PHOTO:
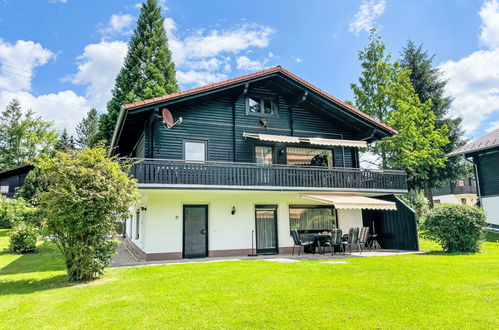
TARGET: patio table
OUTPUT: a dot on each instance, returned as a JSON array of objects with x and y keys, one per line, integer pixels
[{"x": 317, "y": 239}]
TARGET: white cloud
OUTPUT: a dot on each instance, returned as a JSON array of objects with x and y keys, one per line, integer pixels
[
  {"x": 199, "y": 77},
  {"x": 60, "y": 1},
  {"x": 298, "y": 59},
  {"x": 244, "y": 63},
  {"x": 17, "y": 62},
  {"x": 489, "y": 13},
  {"x": 368, "y": 11},
  {"x": 493, "y": 126},
  {"x": 118, "y": 25},
  {"x": 97, "y": 69},
  {"x": 473, "y": 81}
]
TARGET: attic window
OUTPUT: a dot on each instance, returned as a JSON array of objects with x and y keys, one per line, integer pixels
[{"x": 261, "y": 106}]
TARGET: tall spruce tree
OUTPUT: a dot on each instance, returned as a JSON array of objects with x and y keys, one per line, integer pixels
[
  {"x": 148, "y": 70},
  {"x": 429, "y": 85},
  {"x": 86, "y": 130},
  {"x": 66, "y": 142},
  {"x": 23, "y": 136}
]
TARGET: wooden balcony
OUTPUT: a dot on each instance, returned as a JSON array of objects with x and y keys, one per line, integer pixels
[{"x": 156, "y": 173}]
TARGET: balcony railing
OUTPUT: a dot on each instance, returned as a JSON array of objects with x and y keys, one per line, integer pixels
[{"x": 252, "y": 176}]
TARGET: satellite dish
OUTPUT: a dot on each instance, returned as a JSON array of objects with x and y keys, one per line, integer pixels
[{"x": 168, "y": 118}]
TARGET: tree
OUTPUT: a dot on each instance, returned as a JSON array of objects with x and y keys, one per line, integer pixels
[
  {"x": 372, "y": 93},
  {"x": 86, "y": 130},
  {"x": 87, "y": 193},
  {"x": 23, "y": 136},
  {"x": 417, "y": 146},
  {"x": 148, "y": 70},
  {"x": 66, "y": 142},
  {"x": 428, "y": 85}
]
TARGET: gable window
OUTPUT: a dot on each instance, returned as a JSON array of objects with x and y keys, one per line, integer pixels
[
  {"x": 261, "y": 105},
  {"x": 195, "y": 150},
  {"x": 264, "y": 155},
  {"x": 309, "y": 157}
]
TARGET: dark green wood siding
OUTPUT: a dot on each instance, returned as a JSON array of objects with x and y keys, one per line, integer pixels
[
  {"x": 488, "y": 173},
  {"x": 396, "y": 229},
  {"x": 222, "y": 119}
]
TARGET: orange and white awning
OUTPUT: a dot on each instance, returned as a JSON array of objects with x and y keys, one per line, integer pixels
[
  {"x": 352, "y": 202},
  {"x": 314, "y": 141}
]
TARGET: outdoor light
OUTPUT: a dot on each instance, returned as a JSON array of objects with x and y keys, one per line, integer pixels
[{"x": 233, "y": 210}]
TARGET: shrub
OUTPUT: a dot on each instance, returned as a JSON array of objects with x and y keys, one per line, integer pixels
[
  {"x": 17, "y": 211},
  {"x": 23, "y": 239},
  {"x": 87, "y": 193},
  {"x": 457, "y": 228}
]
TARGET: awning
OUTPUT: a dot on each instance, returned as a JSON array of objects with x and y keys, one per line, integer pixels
[
  {"x": 273, "y": 138},
  {"x": 352, "y": 202},
  {"x": 314, "y": 141}
]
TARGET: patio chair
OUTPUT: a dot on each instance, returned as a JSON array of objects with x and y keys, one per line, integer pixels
[
  {"x": 335, "y": 240},
  {"x": 353, "y": 239},
  {"x": 363, "y": 237},
  {"x": 298, "y": 242}
]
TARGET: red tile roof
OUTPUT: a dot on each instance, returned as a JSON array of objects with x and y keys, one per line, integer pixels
[{"x": 252, "y": 76}]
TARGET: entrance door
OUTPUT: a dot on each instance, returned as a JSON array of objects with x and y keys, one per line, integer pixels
[
  {"x": 266, "y": 228},
  {"x": 195, "y": 231}
]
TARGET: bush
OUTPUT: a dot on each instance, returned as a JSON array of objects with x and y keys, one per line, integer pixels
[
  {"x": 14, "y": 212},
  {"x": 23, "y": 239},
  {"x": 457, "y": 228}
]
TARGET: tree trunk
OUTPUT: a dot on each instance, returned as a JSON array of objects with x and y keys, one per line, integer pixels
[{"x": 428, "y": 193}]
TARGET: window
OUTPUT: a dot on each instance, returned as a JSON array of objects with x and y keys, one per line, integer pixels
[
  {"x": 264, "y": 155},
  {"x": 137, "y": 225},
  {"x": 309, "y": 157},
  {"x": 463, "y": 201},
  {"x": 312, "y": 217},
  {"x": 195, "y": 150},
  {"x": 261, "y": 105},
  {"x": 460, "y": 183},
  {"x": 4, "y": 190},
  {"x": 436, "y": 201}
]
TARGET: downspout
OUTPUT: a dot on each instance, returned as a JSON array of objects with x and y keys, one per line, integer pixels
[
  {"x": 116, "y": 129},
  {"x": 477, "y": 180}
]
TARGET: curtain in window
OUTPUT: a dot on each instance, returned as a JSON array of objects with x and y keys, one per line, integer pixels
[{"x": 312, "y": 218}]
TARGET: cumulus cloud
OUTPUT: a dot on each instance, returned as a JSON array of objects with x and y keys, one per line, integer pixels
[
  {"x": 245, "y": 63},
  {"x": 366, "y": 15},
  {"x": 493, "y": 126},
  {"x": 18, "y": 61},
  {"x": 97, "y": 69},
  {"x": 193, "y": 77},
  {"x": 118, "y": 25},
  {"x": 473, "y": 81},
  {"x": 489, "y": 13}
]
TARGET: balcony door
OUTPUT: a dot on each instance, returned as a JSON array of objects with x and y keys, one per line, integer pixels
[
  {"x": 266, "y": 229},
  {"x": 195, "y": 231}
]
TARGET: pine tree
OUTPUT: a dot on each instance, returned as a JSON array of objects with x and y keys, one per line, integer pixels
[
  {"x": 428, "y": 84},
  {"x": 148, "y": 70},
  {"x": 23, "y": 136},
  {"x": 86, "y": 130},
  {"x": 66, "y": 142}
]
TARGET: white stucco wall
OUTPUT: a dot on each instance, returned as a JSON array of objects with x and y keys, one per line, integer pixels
[
  {"x": 471, "y": 199},
  {"x": 491, "y": 208},
  {"x": 162, "y": 223}
]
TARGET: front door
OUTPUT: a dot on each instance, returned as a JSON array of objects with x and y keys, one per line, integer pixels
[
  {"x": 266, "y": 228},
  {"x": 195, "y": 231}
]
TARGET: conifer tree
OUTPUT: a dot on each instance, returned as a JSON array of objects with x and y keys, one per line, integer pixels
[
  {"x": 86, "y": 130},
  {"x": 148, "y": 70}
]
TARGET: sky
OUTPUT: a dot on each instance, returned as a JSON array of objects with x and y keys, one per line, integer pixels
[{"x": 60, "y": 57}]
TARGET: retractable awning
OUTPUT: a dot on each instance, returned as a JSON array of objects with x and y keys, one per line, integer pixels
[
  {"x": 352, "y": 202},
  {"x": 314, "y": 141}
]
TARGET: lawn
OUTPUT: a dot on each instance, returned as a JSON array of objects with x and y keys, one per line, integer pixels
[{"x": 433, "y": 290}]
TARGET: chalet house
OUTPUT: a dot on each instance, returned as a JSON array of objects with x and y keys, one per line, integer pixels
[
  {"x": 238, "y": 164},
  {"x": 462, "y": 191},
  {"x": 484, "y": 153},
  {"x": 13, "y": 179}
]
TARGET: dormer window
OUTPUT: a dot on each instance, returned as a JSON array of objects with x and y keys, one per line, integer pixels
[{"x": 261, "y": 105}]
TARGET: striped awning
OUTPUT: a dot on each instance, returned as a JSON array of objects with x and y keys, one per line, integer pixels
[
  {"x": 352, "y": 202},
  {"x": 314, "y": 141}
]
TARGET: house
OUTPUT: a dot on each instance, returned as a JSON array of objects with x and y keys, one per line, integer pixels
[
  {"x": 13, "y": 179},
  {"x": 484, "y": 153},
  {"x": 462, "y": 191},
  {"x": 235, "y": 165}
]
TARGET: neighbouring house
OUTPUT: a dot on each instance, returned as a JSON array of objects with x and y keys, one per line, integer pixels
[
  {"x": 239, "y": 163},
  {"x": 484, "y": 153},
  {"x": 12, "y": 179},
  {"x": 462, "y": 191}
]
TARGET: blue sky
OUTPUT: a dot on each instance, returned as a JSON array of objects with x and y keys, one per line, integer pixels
[{"x": 60, "y": 57}]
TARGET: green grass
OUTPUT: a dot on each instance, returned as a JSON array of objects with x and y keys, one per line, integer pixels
[{"x": 433, "y": 290}]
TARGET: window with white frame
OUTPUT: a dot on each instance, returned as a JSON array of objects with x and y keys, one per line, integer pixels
[
  {"x": 4, "y": 190},
  {"x": 195, "y": 150}
]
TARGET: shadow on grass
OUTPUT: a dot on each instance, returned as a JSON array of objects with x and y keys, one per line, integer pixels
[
  {"x": 46, "y": 258},
  {"x": 33, "y": 285},
  {"x": 4, "y": 232}
]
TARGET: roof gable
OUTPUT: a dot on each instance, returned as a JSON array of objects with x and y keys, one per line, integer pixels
[{"x": 488, "y": 141}]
